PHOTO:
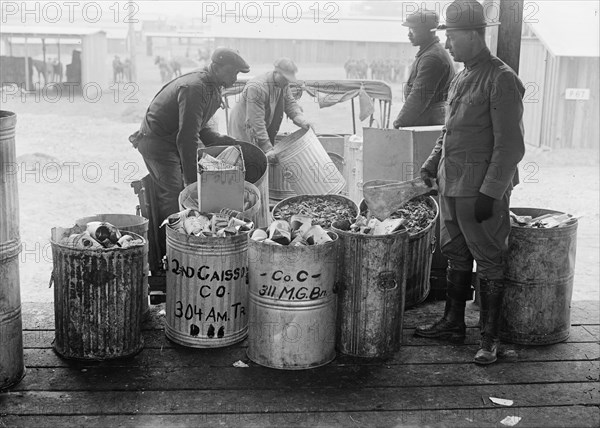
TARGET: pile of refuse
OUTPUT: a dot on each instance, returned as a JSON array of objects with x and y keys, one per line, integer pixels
[
  {"x": 323, "y": 210},
  {"x": 223, "y": 224},
  {"x": 372, "y": 226},
  {"x": 415, "y": 216},
  {"x": 545, "y": 221},
  {"x": 99, "y": 235},
  {"x": 299, "y": 232},
  {"x": 228, "y": 160}
]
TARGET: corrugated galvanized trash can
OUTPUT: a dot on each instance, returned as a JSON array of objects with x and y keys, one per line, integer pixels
[
  {"x": 207, "y": 289},
  {"x": 12, "y": 367},
  {"x": 257, "y": 173},
  {"x": 540, "y": 268},
  {"x": 371, "y": 292},
  {"x": 128, "y": 223},
  {"x": 292, "y": 304},
  {"x": 421, "y": 246},
  {"x": 97, "y": 299},
  {"x": 307, "y": 166},
  {"x": 188, "y": 199}
]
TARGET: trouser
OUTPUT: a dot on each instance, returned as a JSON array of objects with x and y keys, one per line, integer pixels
[
  {"x": 165, "y": 170},
  {"x": 463, "y": 240}
]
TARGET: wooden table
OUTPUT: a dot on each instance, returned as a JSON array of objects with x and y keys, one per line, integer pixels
[{"x": 426, "y": 383}]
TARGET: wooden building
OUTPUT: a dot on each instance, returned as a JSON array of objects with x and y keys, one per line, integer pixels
[
  {"x": 306, "y": 41},
  {"x": 559, "y": 66},
  {"x": 84, "y": 49}
]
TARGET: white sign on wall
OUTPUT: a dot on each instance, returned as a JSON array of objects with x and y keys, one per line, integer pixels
[{"x": 577, "y": 94}]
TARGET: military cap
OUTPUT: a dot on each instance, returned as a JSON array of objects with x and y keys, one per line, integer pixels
[
  {"x": 224, "y": 56},
  {"x": 422, "y": 18},
  {"x": 465, "y": 15},
  {"x": 286, "y": 67}
]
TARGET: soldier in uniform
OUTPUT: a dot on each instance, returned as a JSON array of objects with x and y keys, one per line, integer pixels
[
  {"x": 475, "y": 162},
  {"x": 426, "y": 91}
]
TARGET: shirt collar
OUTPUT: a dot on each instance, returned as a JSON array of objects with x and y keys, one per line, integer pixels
[
  {"x": 482, "y": 56},
  {"x": 211, "y": 77},
  {"x": 435, "y": 40}
]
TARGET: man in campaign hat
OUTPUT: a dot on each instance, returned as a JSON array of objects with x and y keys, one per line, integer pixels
[
  {"x": 475, "y": 163},
  {"x": 426, "y": 91},
  {"x": 176, "y": 124},
  {"x": 256, "y": 118}
]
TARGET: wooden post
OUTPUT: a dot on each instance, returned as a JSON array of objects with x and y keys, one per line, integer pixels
[
  {"x": 491, "y": 9},
  {"x": 131, "y": 39},
  {"x": 60, "y": 66},
  {"x": 509, "y": 33},
  {"x": 27, "y": 77},
  {"x": 45, "y": 69}
]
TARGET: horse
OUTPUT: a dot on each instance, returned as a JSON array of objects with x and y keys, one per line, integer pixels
[
  {"x": 166, "y": 72},
  {"x": 176, "y": 67},
  {"x": 57, "y": 71},
  {"x": 117, "y": 67},
  {"x": 203, "y": 56},
  {"x": 42, "y": 70}
]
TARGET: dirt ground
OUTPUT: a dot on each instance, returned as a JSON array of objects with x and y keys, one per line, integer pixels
[{"x": 74, "y": 160}]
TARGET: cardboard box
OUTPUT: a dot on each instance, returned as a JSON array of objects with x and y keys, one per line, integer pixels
[
  {"x": 397, "y": 154},
  {"x": 220, "y": 189}
]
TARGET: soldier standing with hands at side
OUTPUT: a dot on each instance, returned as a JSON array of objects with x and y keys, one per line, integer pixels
[
  {"x": 426, "y": 91},
  {"x": 475, "y": 162}
]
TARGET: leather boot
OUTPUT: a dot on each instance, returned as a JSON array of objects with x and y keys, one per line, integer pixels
[
  {"x": 452, "y": 324},
  {"x": 491, "y": 293}
]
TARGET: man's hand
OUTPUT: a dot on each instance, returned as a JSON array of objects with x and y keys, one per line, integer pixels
[
  {"x": 484, "y": 207},
  {"x": 427, "y": 177},
  {"x": 305, "y": 124},
  {"x": 272, "y": 157},
  {"x": 397, "y": 125}
]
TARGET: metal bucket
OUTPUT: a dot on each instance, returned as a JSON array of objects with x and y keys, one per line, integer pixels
[
  {"x": 420, "y": 252},
  {"x": 207, "y": 291},
  {"x": 539, "y": 282},
  {"x": 188, "y": 198},
  {"x": 128, "y": 223},
  {"x": 257, "y": 173},
  {"x": 308, "y": 168},
  {"x": 97, "y": 300},
  {"x": 339, "y": 198},
  {"x": 9, "y": 196},
  {"x": 12, "y": 368},
  {"x": 292, "y": 305},
  {"x": 371, "y": 292},
  {"x": 279, "y": 187}
]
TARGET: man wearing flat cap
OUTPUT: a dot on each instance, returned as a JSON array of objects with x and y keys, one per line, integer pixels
[
  {"x": 475, "y": 163},
  {"x": 426, "y": 91},
  {"x": 256, "y": 118},
  {"x": 177, "y": 123}
]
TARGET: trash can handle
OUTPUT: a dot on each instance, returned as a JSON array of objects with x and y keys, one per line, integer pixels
[{"x": 387, "y": 281}]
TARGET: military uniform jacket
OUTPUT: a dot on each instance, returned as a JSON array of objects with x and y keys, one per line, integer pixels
[
  {"x": 482, "y": 139},
  {"x": 426, "y": 91},
  {"x": 255, "y": 112}
]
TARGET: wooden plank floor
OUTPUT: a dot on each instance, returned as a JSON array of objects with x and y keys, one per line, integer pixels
[{"x": 427, "y": 383}]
